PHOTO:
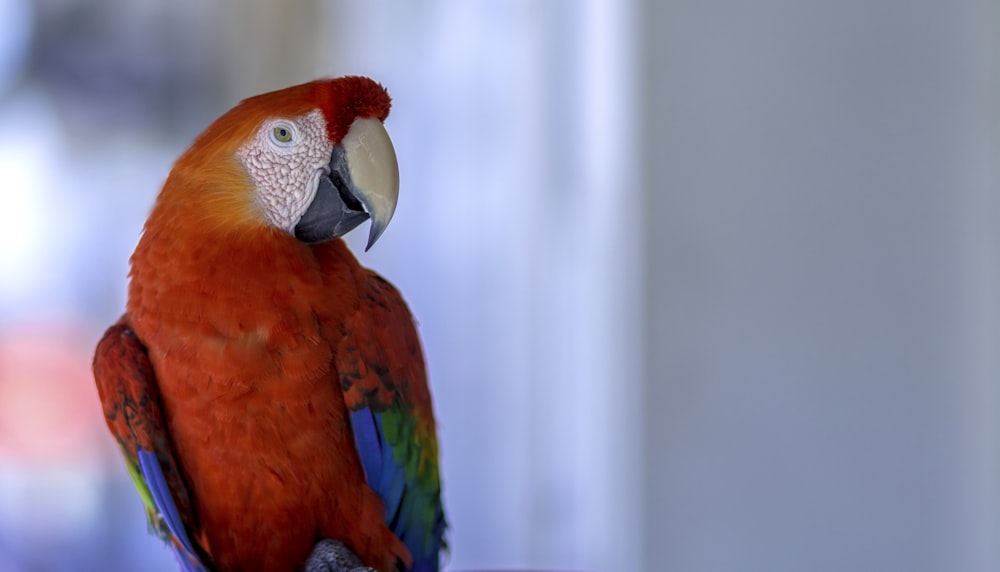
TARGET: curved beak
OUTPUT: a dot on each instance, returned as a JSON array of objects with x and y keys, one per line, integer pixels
[{"x": 363, "y": 182}]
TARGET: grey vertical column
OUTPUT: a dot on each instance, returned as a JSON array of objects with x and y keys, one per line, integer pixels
[{"x": 818, "y": 186}]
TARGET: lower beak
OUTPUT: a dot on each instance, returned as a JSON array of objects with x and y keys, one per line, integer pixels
[{"x": 363, "y": 183}]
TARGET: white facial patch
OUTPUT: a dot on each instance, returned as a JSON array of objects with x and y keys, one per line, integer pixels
[{"x": 285, "y": 160}]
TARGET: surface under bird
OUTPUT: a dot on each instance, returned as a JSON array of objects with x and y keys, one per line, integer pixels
[{"x": 266, "y": 390}]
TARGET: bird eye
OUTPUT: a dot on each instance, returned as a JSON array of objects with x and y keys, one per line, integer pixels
[{"x": 282, "y": 134}]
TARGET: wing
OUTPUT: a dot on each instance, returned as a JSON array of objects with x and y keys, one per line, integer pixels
[
  {"x": 381, "y": 371},
  {"x": 127, "y": 387}
]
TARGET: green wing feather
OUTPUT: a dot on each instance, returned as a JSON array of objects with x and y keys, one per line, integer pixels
[{"x": 381, "y": 371}]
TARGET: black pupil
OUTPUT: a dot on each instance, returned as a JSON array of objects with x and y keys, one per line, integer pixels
[{"x": 282, "y": 133}]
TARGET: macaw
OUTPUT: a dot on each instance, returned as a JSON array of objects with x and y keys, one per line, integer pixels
[{"x": 268, "y": 393}]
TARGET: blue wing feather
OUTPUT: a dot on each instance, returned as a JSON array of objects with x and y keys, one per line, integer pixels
[
  {"x": 369, "y": 443},
  {"x": 392, "y": 485},
  {"x": 149, "y": 465},
  {"x": 129, "y": 396},
  {"x": 381, "y": 471},
  {"x": 387, "y": 477}
]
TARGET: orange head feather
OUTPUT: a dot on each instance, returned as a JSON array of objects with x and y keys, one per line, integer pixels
[{"x": 209, "y": 188}]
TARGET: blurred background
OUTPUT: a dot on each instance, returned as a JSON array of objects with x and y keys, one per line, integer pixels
[{"x": 703, "y": 286}]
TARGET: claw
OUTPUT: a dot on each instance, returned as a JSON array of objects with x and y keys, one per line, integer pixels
[{"x": 333, "y": 556}]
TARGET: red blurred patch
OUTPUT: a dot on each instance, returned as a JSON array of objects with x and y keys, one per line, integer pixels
[{"x": 49, "y": 409}]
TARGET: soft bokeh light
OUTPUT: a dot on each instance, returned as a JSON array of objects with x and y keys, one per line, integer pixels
[{"x": 507, "y": 204}]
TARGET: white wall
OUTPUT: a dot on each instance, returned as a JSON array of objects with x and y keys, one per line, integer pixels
[{"x": 821, "y": 288}]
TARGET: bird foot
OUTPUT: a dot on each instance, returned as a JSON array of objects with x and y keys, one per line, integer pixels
[{"x": 333, "y": 556}]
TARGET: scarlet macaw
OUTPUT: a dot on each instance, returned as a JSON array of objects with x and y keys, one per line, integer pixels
[{"x": 268, "y": 392}]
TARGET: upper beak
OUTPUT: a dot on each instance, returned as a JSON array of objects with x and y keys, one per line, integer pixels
[{"x": 363, "y": 182}]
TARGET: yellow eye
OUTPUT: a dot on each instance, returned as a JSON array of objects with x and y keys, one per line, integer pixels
[{"x": 282, "y": 134}]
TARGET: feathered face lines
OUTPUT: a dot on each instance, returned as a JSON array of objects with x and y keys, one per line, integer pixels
[{"x": 285, "y": 160}]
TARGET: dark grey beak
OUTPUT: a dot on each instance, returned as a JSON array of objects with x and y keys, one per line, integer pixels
[
  {"x": 363, "y": 183},
  {"x": 335, "y": 210}
]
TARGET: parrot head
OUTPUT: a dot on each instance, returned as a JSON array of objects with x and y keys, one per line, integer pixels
[{"x": 313, "y": 161}]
